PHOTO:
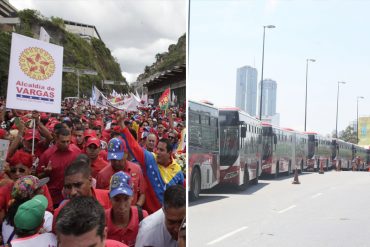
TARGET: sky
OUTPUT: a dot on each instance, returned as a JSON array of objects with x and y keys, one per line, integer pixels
[
  {"x": 226, "y": 35},
  {"x": 134, "y": 30}
]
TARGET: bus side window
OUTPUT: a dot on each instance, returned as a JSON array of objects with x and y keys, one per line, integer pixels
[{"x": 244, "y": 131}]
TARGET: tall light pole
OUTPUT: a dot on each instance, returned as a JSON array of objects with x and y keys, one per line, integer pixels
[
  {"x": 263, "y": 57},
  {"x": 336, "y": 122},
  {"x": 358, "y": 97},
  {"x": 305, "y": 104},
  {"x": 79, "y": 72}
]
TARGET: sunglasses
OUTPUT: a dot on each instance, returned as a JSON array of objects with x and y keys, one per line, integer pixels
[
  {"x": 171, "y": 137},
  {"x": 14, "y": 170}
]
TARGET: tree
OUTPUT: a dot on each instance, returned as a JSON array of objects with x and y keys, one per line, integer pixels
[{"x": 348, "y": 135}]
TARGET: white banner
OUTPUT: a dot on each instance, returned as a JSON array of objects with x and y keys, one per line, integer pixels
[
  {"x": 35, "y": 75},
  {"x": 44, "y": 36}
]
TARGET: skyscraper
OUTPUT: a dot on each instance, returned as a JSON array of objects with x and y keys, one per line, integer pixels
[
  {"x": 268, "y": 97},
  {"x": 246, "y": 89}
]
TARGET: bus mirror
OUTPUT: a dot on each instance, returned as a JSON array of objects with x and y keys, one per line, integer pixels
[
  {"x": 275, "y": 139},
  {"x": 243, "y": 132}
]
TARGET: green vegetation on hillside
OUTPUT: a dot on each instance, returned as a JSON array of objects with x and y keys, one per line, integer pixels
[
  {"x": 78, "y": 53},
  {"x": 176, "y": 55}
]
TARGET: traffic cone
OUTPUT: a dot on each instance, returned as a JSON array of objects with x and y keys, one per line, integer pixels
[
  {"x": 296, "y": 181},
  {"x": 321, "y": 168}
]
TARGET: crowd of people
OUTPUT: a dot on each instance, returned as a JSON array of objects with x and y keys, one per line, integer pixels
[{"x": 93, "y": 176}]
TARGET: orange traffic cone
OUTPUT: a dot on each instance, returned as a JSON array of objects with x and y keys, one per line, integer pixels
[
  {"x": 321, "y": 168},
  {"x": 296, "y": 181}
]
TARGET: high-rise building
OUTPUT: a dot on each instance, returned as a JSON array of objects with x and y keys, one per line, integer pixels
[
  {"x": 246, "y": 89},
  {"x": 268, "y": 97}
]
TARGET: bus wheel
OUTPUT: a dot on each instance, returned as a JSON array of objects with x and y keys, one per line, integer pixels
[
  {"x": 244, "y": 186},
  {"x": 195, "y": 185}
]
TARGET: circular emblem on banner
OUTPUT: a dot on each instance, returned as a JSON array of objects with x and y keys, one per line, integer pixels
[{"x": 37, "y": 63}]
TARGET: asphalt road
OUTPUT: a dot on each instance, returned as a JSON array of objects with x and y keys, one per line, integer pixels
[{"x": 331, "y": 209}]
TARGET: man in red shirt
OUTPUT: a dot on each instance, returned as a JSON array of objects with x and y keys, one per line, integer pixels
[
  {"x": 123, "y": 219},
  {"x": 55, "y": 160},
  {"x": 117, "y": 155},
  {"x": 78, "y": 137},
  {"x": 77, "y": 182},
  {"x": 82, "y": 223},
  {"x": 92, "y": 150}
]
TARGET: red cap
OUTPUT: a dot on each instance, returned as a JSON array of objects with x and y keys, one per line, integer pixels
[
  {"x": 117, "y": 128},
  {"x": 21, "y": 157},
  {"x": 43, "y": 115},
  {"x": 89, "y": 133},
  {"x": 28, "y": 135},
  {"x": 98, "y": 123},
  {"x": 93, "y": 140}
]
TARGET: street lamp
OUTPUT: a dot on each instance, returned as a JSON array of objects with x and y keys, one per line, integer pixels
[
  {"x": 79, "y": 72},
  {"x": 336, "y": 122},
  {"x": 305, "y": 106},
  {"x": 263, "y": 57},
  {"x": 358, "y": 97}
]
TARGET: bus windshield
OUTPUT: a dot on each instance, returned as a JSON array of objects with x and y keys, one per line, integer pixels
[
  {"x": 267, "y": 140},
  {"x": 311, "y": 146},
  {"x": 229, "y": 137}
]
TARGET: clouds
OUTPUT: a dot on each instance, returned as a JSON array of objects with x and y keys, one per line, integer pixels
[{"x": 133, "y": 30}]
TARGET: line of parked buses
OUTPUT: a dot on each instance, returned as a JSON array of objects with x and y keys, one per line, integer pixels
[{"x": 228, "y": 146}]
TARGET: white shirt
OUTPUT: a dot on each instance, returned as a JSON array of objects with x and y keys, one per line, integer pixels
[
  {"x": 8, "y": 229},
  {"x": 153, "y": 232},
  {"x": 39, "y": 240}
]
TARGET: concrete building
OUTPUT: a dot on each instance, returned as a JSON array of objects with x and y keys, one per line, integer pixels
[
  {"x": 174, "y": 78},
  {"x": 268, "y": 97},
  {"x": 246, "y": 89},
  {"x": 8, "y": 19},
  {"x": 85, "y": 31}
]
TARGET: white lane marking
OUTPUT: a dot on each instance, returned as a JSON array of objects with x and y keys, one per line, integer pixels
[
  {"x": 284, "y": 210},
  {"x": 227, "y": 235},
  {"x": 317, "y": 195}
]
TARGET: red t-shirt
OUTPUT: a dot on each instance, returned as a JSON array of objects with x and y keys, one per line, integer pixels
[
  {"x": 60, "y": 160},
  {"x": 104, "y": 155},
  {"x": 97, "y": 165},
  {"x": 128, "y": 234},
  {"x": 102, "y": 196},
  {"x": 114, "y": 243},
  {"x": 132, "y": 169}
]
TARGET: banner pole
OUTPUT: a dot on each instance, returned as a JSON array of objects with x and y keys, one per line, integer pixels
[{"x": 33, "y": 136}]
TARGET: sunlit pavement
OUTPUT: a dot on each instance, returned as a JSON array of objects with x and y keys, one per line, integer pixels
[{"x": 330, "y": 209}]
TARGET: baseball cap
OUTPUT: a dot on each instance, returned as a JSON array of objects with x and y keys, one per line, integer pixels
[
  {"x": 28, "y": 135},
  {"x": 89, "y": 133},
  {"x": 31, "y": 213},
  {"x": 26, "y": 186},
  {"x": 93, "y": 140},
  {"x": 120, "y": 184},
  {"x": 116, "y": 149},
  {"x": 98, "y": 123}
]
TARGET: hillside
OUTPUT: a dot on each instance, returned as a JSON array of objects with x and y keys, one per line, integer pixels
[
  {"x": 78, "y": 53},
  {"x": 176, "y": 55}
]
